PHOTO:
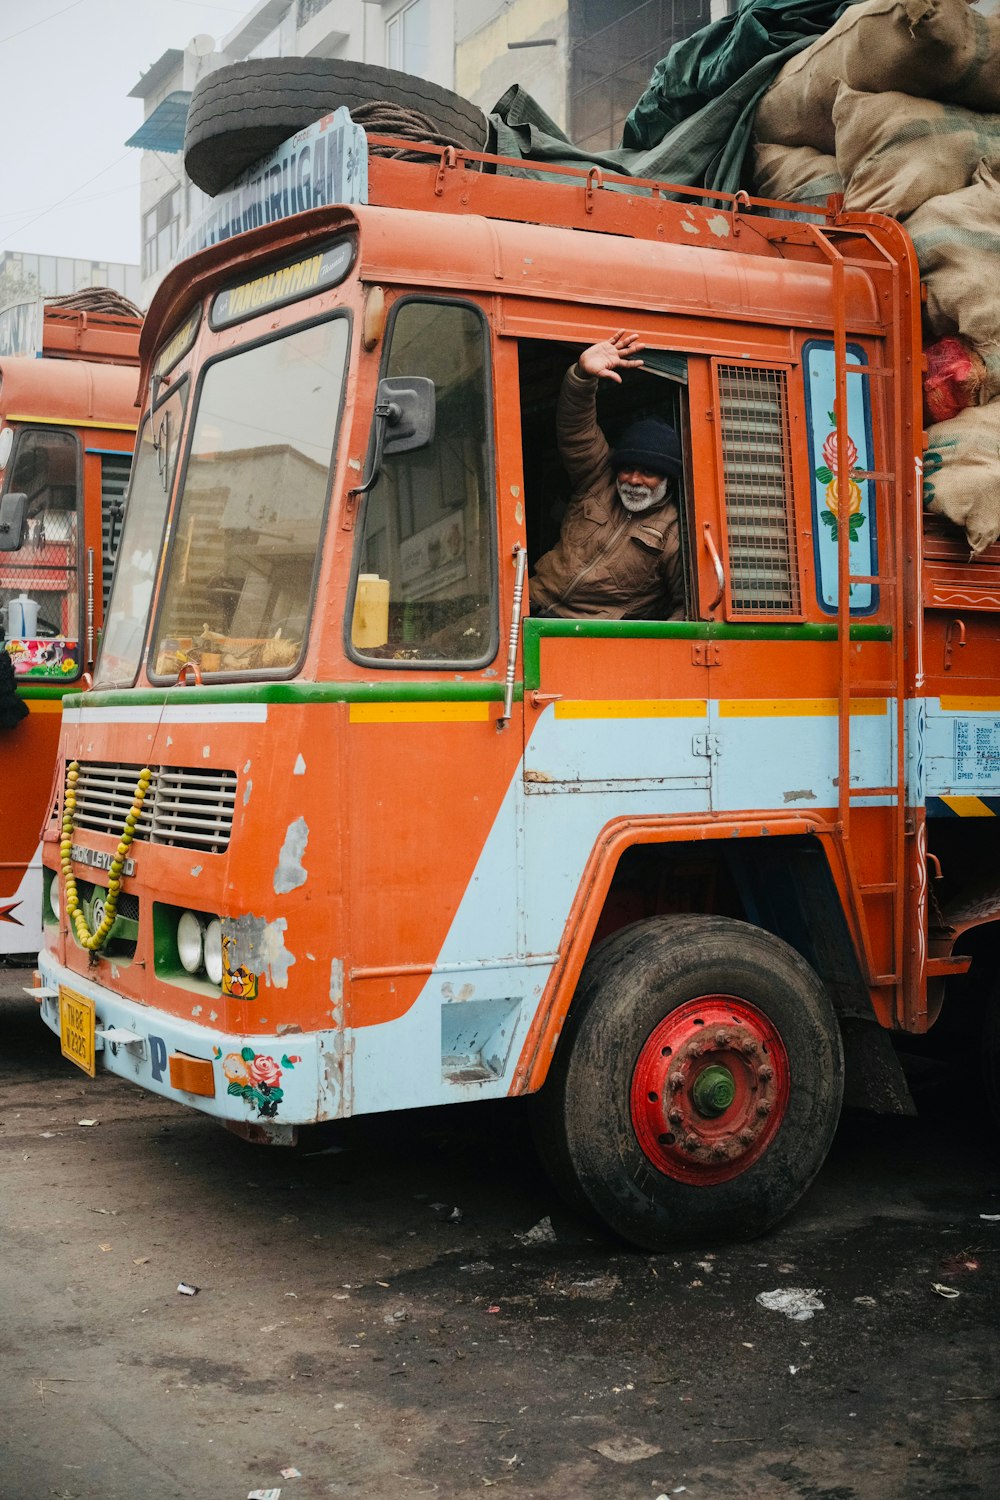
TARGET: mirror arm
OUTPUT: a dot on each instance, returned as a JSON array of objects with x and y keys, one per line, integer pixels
[{"x": 387, "y": 413}]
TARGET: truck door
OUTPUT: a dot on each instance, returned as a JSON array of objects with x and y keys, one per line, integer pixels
[
  {"x": 615, "y": 711},
  {"x": 432, "y": 756}
]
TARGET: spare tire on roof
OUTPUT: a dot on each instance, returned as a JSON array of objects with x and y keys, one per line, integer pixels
[{"x": 242, "y": 112}]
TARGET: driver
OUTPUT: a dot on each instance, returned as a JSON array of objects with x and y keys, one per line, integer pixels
[{"x": 618, "y": 553}]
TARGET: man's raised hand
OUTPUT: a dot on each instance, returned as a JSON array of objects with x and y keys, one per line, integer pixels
[{"x": 603, "y": 361}]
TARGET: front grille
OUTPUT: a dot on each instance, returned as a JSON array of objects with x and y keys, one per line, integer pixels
[{"x": 189, "y": 807}]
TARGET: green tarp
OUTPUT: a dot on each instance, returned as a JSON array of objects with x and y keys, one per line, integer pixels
[{"x": 692, "y": 126}]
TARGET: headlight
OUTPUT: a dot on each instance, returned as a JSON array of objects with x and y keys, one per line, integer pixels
[
  {"x": 190, "y": 941},
  {"x": 213, "y": 950},
  {"x": 54, "y": 894}
]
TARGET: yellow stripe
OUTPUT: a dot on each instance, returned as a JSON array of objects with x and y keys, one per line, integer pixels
[
  {"x": 795, "y": 708},
  {"x": 969, "y": 807},
  {"x": 971, "y": 705},
  {"x": 44, "y": 705},
  {"x": 632, "y": 708},
  {"x": 75, "y": 421},
  {"x": 419, "y": 713}
]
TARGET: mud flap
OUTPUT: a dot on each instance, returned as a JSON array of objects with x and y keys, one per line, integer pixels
[{"x": 873, "y": 1074}]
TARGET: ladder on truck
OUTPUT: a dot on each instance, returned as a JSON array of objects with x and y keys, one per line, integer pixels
[{"x": 904, "y": 886}]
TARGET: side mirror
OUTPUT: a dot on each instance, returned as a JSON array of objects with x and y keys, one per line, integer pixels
[
  {"x": 13, "y": 521},
  {"x": 407, "y": 405}
]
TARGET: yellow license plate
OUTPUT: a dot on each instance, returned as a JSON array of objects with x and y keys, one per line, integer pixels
[{"x": 76, "y": 1029}]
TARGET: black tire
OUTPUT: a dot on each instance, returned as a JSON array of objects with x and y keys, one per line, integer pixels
[
  {"x": 766, "y": 1019},
  {"x": 242, "y": 112}
]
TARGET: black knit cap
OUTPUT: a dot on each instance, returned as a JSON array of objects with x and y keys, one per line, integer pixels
[{"x": 651, "y": 445}]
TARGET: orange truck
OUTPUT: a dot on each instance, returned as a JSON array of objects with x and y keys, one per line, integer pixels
[
  {"x": 342, "y": 828},
  {"x": 67, "y": 428}
]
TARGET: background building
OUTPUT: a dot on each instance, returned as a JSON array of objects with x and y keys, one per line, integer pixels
[
  {"x": 25, "y": 277},
  {"x": 585, "y": 61}
]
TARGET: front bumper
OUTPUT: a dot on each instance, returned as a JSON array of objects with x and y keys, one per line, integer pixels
[{"x": 263, "y": 1085}]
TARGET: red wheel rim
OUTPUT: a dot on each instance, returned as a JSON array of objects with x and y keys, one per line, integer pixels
[{"x": 710, "y": 1089}]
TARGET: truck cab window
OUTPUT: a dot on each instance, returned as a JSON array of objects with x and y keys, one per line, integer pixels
[
  {"x": 39, "y": 585},
  {"x": 425, "y": 568},
  {"x": 589, "y": 556},
  {"x": 138, "y": 550}
]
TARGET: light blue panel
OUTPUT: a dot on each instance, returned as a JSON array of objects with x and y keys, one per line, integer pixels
[
  {"x": 963, "y": 752},
  {"x": 647, "y": 750},
  {"x": 792, "y": 762}
]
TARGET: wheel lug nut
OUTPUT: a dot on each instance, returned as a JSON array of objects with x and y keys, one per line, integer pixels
[
  {"x": 763, "y": 1109},
  {"x": 675, "y": 1081},
  {"x": 765, "y": 1074},
  {"x": 674, "y": 1116},
  {"x": 746, "y": 1137}
]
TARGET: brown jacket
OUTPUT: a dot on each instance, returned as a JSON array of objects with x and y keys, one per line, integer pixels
[{"x": 607, "y": 564}]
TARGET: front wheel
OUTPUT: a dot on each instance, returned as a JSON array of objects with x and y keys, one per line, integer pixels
[{"x": 698, "y": 1082}]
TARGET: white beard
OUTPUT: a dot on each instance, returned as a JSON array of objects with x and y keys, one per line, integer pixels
[{"x": 640, "y": 497}]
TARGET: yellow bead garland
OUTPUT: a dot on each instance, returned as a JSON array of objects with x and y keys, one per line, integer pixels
[{"x": 87, "y": 939}]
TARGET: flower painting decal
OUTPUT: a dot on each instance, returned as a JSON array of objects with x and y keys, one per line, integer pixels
[
  {"x": 827, "y": 474},
  {"x": 843, "y": 490},
  {"x": 256, "y": 1077}
]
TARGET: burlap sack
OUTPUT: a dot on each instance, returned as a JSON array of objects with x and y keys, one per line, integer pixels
[
  {"x": 957, "y": 240},
  {"x": 934, "y": 49},
  {"x": 962, "y": 473},
  {"x": 895, "y": 151},
  {"x": 795, "y": 174}
]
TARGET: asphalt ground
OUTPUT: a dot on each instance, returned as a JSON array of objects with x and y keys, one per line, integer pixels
[{"x": 403, "y": 1307}]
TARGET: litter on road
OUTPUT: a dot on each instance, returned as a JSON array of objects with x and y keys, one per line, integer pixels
[
  {"x": 541, "y": 1234},
  {"x": 796, "y": 1302},
  {"x": 626, "y": 1450}
]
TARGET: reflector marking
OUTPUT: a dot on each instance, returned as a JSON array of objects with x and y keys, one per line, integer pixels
[
  {"x": 419, "y": 713},
  {"x": 966, "y": 807},
  {"x": 632, "y": 708},
  {"x": 970, "y": 705},
  {"x": 796, "y": 708}
]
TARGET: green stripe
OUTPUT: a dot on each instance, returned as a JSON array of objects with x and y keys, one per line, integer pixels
[
  {"x": 682, "y": 630},
  {"x": 389, "y": 691},
  {"x": 48, "y": 689}
]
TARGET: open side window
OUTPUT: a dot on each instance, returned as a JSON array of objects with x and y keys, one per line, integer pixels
[{"x": 659, "y": 389}]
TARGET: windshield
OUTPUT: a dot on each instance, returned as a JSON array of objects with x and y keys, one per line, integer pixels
[
  {"x": 139, "y": 551},
  {"x": 239, "y": 578}
]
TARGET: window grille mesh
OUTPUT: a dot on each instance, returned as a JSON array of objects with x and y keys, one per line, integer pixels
[{"x": 763, "y": 573}]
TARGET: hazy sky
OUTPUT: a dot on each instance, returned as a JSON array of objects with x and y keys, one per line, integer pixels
[{"x": 70, "y": 186}]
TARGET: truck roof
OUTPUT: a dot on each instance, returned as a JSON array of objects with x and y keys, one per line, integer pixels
[
  {"x": 68, "y": 391},
  {"x": 458, "y": 219}
]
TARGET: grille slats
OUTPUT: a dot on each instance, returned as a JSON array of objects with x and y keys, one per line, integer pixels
[
  {"x": 188, "y": 807},
  {"x": 757, "y": 485}
]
